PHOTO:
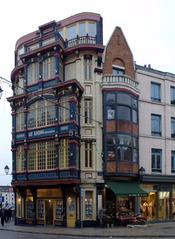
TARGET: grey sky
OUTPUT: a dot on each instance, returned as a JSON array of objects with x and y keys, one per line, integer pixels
[{"x": 148, "y": 27}]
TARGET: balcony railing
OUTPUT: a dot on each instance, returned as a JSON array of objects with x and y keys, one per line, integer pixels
[
  {"x": 109, "y": 80},
  {"x": 80, "y": 40}
]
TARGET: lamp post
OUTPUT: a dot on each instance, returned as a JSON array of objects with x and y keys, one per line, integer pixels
[
  {"x": 1, "y": 90},
  {"x": 6, "y": 169}
]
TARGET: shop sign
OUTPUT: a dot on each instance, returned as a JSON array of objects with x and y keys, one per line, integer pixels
[{"x": 41, "y": 132}]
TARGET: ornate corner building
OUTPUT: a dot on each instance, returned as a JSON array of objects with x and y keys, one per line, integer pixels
[{"x": 76, "y": 124}]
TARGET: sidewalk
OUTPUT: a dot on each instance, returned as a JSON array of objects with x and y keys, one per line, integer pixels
[{"x": 165, "y": 230}]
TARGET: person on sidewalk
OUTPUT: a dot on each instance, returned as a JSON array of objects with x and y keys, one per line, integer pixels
[{"x": 2, "y": 217}]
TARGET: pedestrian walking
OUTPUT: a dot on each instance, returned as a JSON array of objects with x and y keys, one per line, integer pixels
[{"x": 2, "y": 217}]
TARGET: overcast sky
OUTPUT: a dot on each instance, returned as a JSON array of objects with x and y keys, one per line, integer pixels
[{"x": 148, "y": 27}]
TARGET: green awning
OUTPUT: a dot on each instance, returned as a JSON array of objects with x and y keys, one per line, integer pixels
[{"x": 127, "y": 188}]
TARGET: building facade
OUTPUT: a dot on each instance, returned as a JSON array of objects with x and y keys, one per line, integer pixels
[
  {"x": 78, "y": 129},
  {"x": 7, "y": 197}
]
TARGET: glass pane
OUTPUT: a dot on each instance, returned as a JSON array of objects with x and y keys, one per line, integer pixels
[
  {"x": 155, "y": 91},
  {"x": 82, "y": 29},
  {"x": 124, "y": 140},
  {"x": 110, "y": 112},
  {"x": 110, "y": 139},
  {"x": 134, "y": 116},
  {"x": 71, "y": 32},
  {"x": 124, "y": 99},
  {"x": 123, "y": 113},
  {"x": 91, "y": 29},
  {"x": 110, "y": 99}
]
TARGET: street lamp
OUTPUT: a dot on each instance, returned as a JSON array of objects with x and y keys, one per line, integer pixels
[
  {"x": 6, "y": 169},
  {"x": 141, "y": 172},
  {"x": 1, "y": 90}
]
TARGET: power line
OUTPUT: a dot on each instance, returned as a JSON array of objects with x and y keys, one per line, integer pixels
[{"x": 59, "y": 105}]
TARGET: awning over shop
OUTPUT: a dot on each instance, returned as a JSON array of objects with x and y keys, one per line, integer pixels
[{"x": 126, "y": 188}]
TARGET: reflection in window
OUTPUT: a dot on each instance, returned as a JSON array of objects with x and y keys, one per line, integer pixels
[
  {"x": 48, "y": 67},
  {"x": 123, "y": 99},
  {"x": 123, "y": 113},
  {"x": 71, "y": 32},
  {"x": 116, "y": 71},
  {"x": 110, "y": 98},
  {"x": 82, "y": 29},
  {"x": 156, "y": 160},
  {"x": 155, "y": 92},
  {"x": 110, "y": 112},
  {"x": 173, "y": 161},
  {"x": 32, "y": 73},
  {"x": 92, "y": 29}
]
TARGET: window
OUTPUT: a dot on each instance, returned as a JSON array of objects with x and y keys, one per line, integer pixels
[
  {"x": 82, "y": 29},
  {"x": 41, "y": 156},
  {"x": 88, "y": 109},
  {"x": 110, "y": 112},
  {"x": 88, "y": 154},
  {"x": 89, "y": 205},
  {"x": 48, "y": 68},
  {"x": 41, "y": 113},
  {"x": 19, "y": 85},
  {"x": 64, "y": 153},
  {"x": 110, "y": 98},
  {"x": 123, "y": 113},
  {"x": 156, "y": 125},
  {"x": 172, "y": 127},
  {"x": 32, "y": 73},
  {"x": 156, "y": 160},
  {"x": 123, "y": 99},
  {"x": 87, "y": 69},
  {"x": 124, "y": 147},
  {"x": 172, "y": 95},
  {"x": 20, "y": 119},
  {"x": 64, "y": 109},
  {"x": 20, "y": 158},
  {"x": 173, "y": 161},
  {"x": 118, "y": 71},
  {"x": 155, "y": 92},
  {"x": 71, "y": 32},
  {"x": 92, "y": 29}
]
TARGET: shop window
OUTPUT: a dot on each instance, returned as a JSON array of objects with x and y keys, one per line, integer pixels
[
  {"x": 173, "y": 161},
  {"x": 64, "y": 153},
  {"x": 88, "y": 205},
  {"x": 32, "y": 73},
  {"x": 48, "y": 68},
  {"x": 88, "y": 154},
  {"x": 172, "y": 127},
  {"x": 40, "y": 209},
  {"x": 20, "y": 119},
  {"x": 156, "y": 160},
  {"x": 59, "y": 210},
  {"x": 20, "y": 158},
  {"x": 19, "y": 206},
  {"x": 155, "y": 92},
  {"x": 88, "y": 109},
  {"x": 156, "y": 125},
  {"x": 64, "y": 109},
  {"x": 29, "y": 208}
]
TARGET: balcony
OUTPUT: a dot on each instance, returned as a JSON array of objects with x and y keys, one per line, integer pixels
[
  {"x": 120, "y": 81},
  {"x": 80, "y": 40}
]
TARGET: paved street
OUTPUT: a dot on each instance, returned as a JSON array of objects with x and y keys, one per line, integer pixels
[
  {"x": 157, "y": 230},
  {"x": 21, "y": 235}
]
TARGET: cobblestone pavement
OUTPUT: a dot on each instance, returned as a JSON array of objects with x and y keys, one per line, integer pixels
[{"x": 157, "y": 230}]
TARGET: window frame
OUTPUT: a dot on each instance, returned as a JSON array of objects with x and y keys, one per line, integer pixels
[
  {"x": 154, "y": 96},
  {"x": 156, "y": 153},
  {"x": 159, "y": 126},
  {"x": 88, "y": 154}
]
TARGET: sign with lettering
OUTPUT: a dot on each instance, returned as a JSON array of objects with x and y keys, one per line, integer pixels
[{"x": 41, "y": 133}]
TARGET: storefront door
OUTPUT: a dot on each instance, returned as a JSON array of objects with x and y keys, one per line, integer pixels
[
  {"x": 49, "y": 212},
  {"x": 71, "y": 211}
]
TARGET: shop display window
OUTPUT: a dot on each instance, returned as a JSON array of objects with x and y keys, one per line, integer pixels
[
  {"x": 29, "y": 208},
  {"x": 89, "y": 205},
  {"x": 40, "y": 209},
  {"x": 148, "y": 206},
  {"x": 59, "y": 209}
]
